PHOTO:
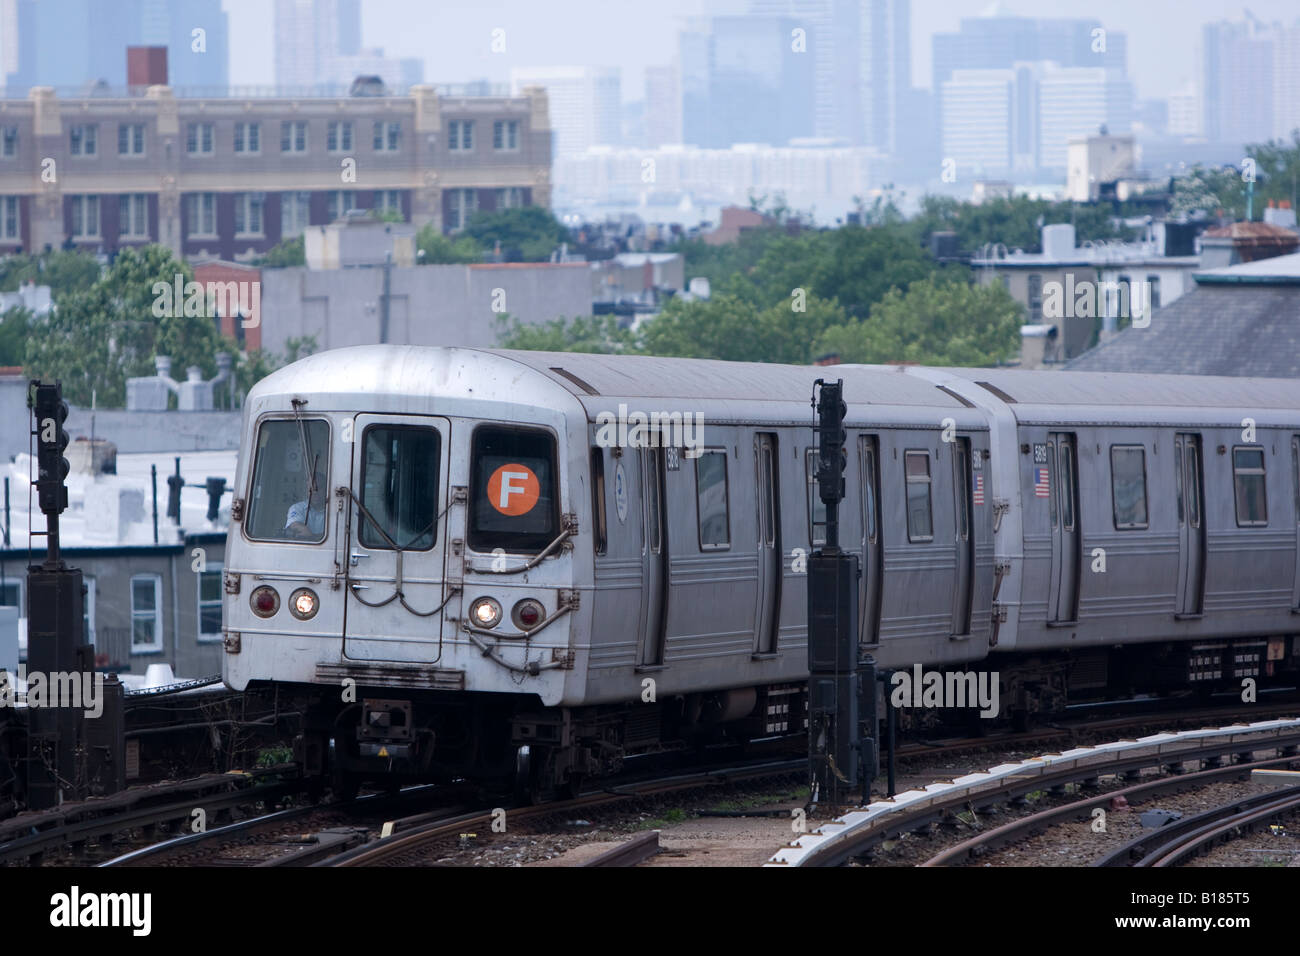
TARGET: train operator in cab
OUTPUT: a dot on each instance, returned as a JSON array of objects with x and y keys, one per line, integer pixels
[{"x": 305, "y": 519}]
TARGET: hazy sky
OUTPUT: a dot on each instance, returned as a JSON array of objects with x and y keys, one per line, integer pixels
[{"x": 453, "y": 36}]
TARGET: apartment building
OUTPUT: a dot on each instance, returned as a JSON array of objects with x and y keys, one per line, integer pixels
[{"x": 230, "y": 177}]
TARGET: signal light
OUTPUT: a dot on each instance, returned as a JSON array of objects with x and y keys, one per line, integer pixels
[{"x": 51, "y": 442}]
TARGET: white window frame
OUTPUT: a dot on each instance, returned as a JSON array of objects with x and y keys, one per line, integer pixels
[
  {"x": 134, "y": 140},
  {"x": 460, "y": 136},
  {"x": 245, "y": 206},
  {"x": 387, "y": 136},
  {"x": 335, "y": 205},
  {"x": 159, "y": 643},
  {"x": 339, "y": 136},
  {"x": 135, "y": 223},
  {"x": 510, "y": 197},
  {"x": 462, "y": 209},
  {"x": 81, "y": 204},
  {"x": 505, "y": 132},
  {"x": 197, "y": 137},
  {"x": 10, "y": 204},
  {"x": 209, "y": 637},
  {"x": 88, "y": 142},
  {"x": 297, "y": 144},
  {"x": 193, "y": 215},
  {"x": 388, "y": 200},
  {"x": 9, "y": 142},
  {"x": 244, "y": 133},
  {"x": 291, "y": 224}
]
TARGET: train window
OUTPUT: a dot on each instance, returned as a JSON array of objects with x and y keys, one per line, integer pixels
[
  {"x": 1248, "y": 476},
  {"x": 598, "y": 499},
  {"x": 711, "y": 500},
  {"x": 1128, "y": 486},
  {"x": 920, "y": 520},
  {"x": 1193, "y": 485},
  {"x": 1051, "y": 497},
  {"x": 1295, "y": 469},
  {"x": 290, "y": 492},
  {"x": 399, "y": 487},
  {"x": 513, "y": 500},
  {"x": 869, "y": 493},
  {"x": 816, "y": 507},
  {"x": 1067, "y": 486}
]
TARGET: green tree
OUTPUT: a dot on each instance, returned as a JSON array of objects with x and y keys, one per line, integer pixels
[
  {"x": 728, "y": 327},
  {"x": 15, "y": 327},
  {"x": 439, "y": 249},
  {"x": 286, "y": 253},
  {"x": 259, "y": 363},
  {"x": 98, "y": 338},
  {"x": 526, "y": 233},
  {"x": 63, "y": 271},
  {"x": 598, "y": 333},
  {"x": 935, "y": 322}
]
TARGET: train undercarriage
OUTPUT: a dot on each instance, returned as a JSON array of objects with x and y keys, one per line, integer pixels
[{"x": 511, "y": 743}]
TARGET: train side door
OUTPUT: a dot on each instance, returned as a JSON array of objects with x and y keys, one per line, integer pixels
[
  {"x": 963, "y": 539},
  {"x": 872, "y": 545},
  {"x": 1295, "y": 477},
  {"x": 396, "y": 572},
  {"x": 1063, "y": 501},
  {"x": 770, "y": 553},
  {"x": 654, "y": 593},
  {"x": 1191, "y": 525}
]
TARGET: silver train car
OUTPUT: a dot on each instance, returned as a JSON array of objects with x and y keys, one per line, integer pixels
[{"x": 529, "y": 566}]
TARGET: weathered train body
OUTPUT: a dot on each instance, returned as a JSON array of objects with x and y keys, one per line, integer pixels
[{"x": 492, "y": 563}]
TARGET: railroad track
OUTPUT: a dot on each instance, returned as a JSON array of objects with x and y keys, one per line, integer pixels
[
  {"x": 409, "y": 839},
  {"x": 30, "y": 838},
  {"x": 857, "y": 832}
]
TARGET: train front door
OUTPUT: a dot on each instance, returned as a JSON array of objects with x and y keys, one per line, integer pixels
[
  {"x": 963, "y": 539},
  {"x": 767, "y": 616},
  {"x": 873, "y": 550},
  {"x": 1295, "y": 478},
  {"x": 396, "y": 572},
  {"x": 1191, "y": 525}
]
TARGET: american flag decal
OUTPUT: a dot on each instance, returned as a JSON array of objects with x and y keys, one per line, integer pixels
[
  {"x": 979, "y": 489},
  {"x": 1042, "y": 487}
]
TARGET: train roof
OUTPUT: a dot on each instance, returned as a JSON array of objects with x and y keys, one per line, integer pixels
[{"x": 1134, "y": 389}]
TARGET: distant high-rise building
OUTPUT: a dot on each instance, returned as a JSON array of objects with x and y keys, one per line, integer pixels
[
  {"x": 998, "y": 42},
  {"x": 1076, "y": 101},
  {"x": 885, "y": 70},
  {"x": 586, "y": 104},
  {"x": 318, "y": 44},
  {"x": 663, "y": 105},
  {"x": 760, "y": 89},
  {"x": 1286, "y": 82},
  {"x": 73, "y": 43},
  {"x": 1185, "y": 117},
  {"x": 833, "y": 39},
  {"x": 977, "y": 106},
  {"x": 1238, "y": 81}
]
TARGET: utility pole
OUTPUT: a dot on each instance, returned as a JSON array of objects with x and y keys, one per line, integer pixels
[{"x": 842, "y": 753}]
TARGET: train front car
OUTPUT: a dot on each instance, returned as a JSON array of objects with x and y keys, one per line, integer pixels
[{"x": 399, "y": 565}]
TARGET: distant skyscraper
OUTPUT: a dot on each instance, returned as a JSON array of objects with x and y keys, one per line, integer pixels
[
  {"x": 72, "y": 43},
  {"x": 885, "y": 69},
  {"x": 318, "y": 43},
  {"x": 998, "y": 42},
  {"x": 663, "y": 105},
  {"x": 833, "y": 37},
  {"x": 586, "y": 104},
  {"x": 1286, "y": 82},
  {"x": 1238, "y": 81},
  {"x": 760, "y": 90},
  {"x": 977, "y": 108},
  {"x": 1078, "y": 101},
  {"x": 1185, "y": 116}
]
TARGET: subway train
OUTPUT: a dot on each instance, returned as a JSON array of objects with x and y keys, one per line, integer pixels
[{"x": 529, "y": 567}]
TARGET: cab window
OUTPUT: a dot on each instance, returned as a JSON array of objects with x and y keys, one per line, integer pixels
[
  {"x": 289, "y": 498},
  {"x": 399, "y": 487},
  {"x": 512, "y": 490}
]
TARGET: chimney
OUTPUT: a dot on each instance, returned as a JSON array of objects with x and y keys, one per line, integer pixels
[{"x": 146, "y": 66}]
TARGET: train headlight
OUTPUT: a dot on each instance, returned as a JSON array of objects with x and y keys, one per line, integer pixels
[
  {"x": 527, "y": 614},
  {"x": 303, "y": 604},
  {"x": 485, "y": 612},
  {"x": 264, "y": 601}
]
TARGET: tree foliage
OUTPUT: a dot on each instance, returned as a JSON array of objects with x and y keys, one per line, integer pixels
[
  {"x": 439, "y": 249},
  {"x": 599, "y": 333},
  {"x": 526, "y": 233},
  {"x": 286, "y": 253},
  {"x": 61, "y": 270},
  {"x": 936, "y": 321}
]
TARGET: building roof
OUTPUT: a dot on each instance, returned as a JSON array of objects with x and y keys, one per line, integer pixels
[
  {"x": 116, "y": 511},
  {"x": 1277, "y": 270},
  {"x": 1222, "y": 327}
]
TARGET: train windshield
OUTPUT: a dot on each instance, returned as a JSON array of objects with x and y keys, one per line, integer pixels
[
  {"x": 513, "y": 501},
  {"x": 290, "y": 493}
]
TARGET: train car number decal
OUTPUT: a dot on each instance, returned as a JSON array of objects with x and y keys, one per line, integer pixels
[
  {"x": 620, "y": 492},
  {"x": 513, "y": 490},
  {"x": 1040, "y": 454}
]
